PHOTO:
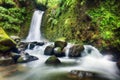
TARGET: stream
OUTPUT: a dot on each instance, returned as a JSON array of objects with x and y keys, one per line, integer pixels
[
  {"x": 38, "y": 70},
  {"x": 92, "y": 61}
]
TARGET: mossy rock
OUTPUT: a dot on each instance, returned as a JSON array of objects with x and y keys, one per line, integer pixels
[
  {"x": 60, "y": 43},
  {"x": 58, "y": 52},
  {"x": 6, "y": 43},
  {"x": 53, "y": 60},
  {"x": 63, "y": 39},
  {"x": 21, "y": 60}
]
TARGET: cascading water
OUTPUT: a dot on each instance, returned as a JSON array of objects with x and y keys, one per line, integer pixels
[
  {"x": 34, "y": 32},
  {"x": 92, "y": 60}
]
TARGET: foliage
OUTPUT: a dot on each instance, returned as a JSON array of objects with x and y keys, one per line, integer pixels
[
  {"x": 11, "y": 18},
  {"x": 48, "y": 3},
  {"x": 59, "y": 20},
  {"x": 84, "y": 21},
  {"x": 107, "y": 18}
]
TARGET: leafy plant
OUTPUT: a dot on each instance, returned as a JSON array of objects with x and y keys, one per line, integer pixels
[
  {"x": 11, "y": 18},
  {"x": 105, "y": 17}
]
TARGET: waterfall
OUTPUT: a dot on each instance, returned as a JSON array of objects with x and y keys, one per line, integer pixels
[
  {"x": 34, "y": 32},
  {"x": 92, "y": 60}
]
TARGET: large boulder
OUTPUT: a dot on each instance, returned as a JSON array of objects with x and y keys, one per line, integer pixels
[
  {"x": 6, "y": 43},
  {"x": 75, "y": 51},
  {"x": 52, "y": 60},
  {"x": 49, "y": 50}
]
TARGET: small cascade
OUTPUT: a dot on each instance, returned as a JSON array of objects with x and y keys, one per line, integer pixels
[
  {"x": 28, "y": 47},
  {"x": 34, "y": 32},
  {"x": 90, "y": 50}
]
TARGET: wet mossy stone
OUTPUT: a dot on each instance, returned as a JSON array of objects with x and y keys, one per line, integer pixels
[
  {"x": 49, "y": 50},
  {"x": 53, "y": 60},
  {"x": 75, "y": 51},
  {"x": 58, "y": 52},
  {"x": 21, "y": 60},
  {"x": 6, "y": 43},
  {"x": 61, "y": 42},
  {"x": 26, "y": 58}
]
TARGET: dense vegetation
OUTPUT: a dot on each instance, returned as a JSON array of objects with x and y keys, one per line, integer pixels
[
  {"x": 13, "y": 14},
  {"x": 95, "y": 22}
]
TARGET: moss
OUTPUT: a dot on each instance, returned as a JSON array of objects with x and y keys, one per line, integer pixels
[
  {"x": 6, "y": 43},
  {"x": 53, "y": 60},
  {"x": 63, "y": 39}
]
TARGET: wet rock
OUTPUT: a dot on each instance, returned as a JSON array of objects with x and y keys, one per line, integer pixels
[
  {"x": 58, "y": 52},
  {"x": 22, "y": 57},
  {"x": 75, "y": 51},
  {"x": 31, "y": 46},
  {"x": 15, "y": 56},
  {"x": 52, "y": 60},
  {"x": 49, "y": 50},
  {"x": 81, "y": 74},
  {"x": 6, "y": 61},
  {"x": 15, "y": 50},
  {"x": 60, "y": 43},
  {"x": 21, "y": 60},
  {"x": 26, "y": 58},
  {"x": 30, "y": 58},
  {"x": 38, "y": 43}
]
